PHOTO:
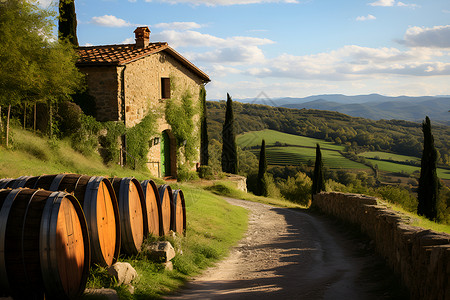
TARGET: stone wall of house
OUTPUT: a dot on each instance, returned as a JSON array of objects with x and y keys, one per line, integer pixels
[
  {"x": 143, "y": 93},
  {"x": 420, "y": 256},
  {"x": 104, "y": 86}
]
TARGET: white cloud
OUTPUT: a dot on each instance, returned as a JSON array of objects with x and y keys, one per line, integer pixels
[
  {"x": 366, "y": 18},
  {"x": 110, "y": 21},
  {"x": 234, "y": 50},
  {"x": 354, "y": 62},
  {"x": 225, "y": 2},
  {"x": 383, "y": 3},
  {"x": 129, "y": 41},
  {"x": 435, "y": 37},
  {"x": 392, "y": 3},
  {"x": 407, "y": 5},
  {"x": 231, "y": 55},
  {"x": 179, "y": 25},
  {"x": 191, "y": 38},
  {"x": 46, "y": 3}
]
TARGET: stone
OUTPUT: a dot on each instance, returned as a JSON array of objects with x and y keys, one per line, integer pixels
[
  {"x": 123, "y": 272},
  {"x": 161, "y": 251},
  {"x": 109, "y": 294},
  {"x": 168, "y": 266}
]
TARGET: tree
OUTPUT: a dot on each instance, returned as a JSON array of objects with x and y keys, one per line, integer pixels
[
  {"x": 428, "y": 181},
  {"x": 229, "y": 148},
  {"x": 67, "y": 23},
  {"x": 262, "y": 184},
  {"x": 204, "y": 155},
  {"x": 35, "y": 66},
  {"x": 318, "y": 184}
]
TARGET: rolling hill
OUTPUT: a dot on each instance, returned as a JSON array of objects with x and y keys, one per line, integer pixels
[{"x": 374, "y": 106}]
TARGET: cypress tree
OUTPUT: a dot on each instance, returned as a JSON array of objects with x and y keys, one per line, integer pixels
[
  {"x": 262, "y": 184},
  {"x": 67, "y": 24},
  {"x": 204, "y": 155},
  {"x": 428, "y": 181},
  {"x": 229, "y": 148},
  {"x": 318, "y": 184}
]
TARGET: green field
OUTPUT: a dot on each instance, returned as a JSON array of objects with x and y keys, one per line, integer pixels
[
  {"x": 299, "y": 155},
  {"x": 389, "y": 156},
  {"x": 254, "y": 138},
  {"x": 399, "y": 168},
  {"x": 301, "y": 151}
]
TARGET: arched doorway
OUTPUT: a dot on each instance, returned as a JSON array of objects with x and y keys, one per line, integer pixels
[{"x": 168, "y": 154}]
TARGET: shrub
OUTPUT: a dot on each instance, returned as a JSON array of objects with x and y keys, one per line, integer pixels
[
  {"x": 110, "y": 150},
  {"x": 297, "y": 189},
  {"x": 205, "y": 172},
  {"x": 85, "y": 139},
  {"x": 398, "y": 195},
  {"x": 184, "y": 173}
]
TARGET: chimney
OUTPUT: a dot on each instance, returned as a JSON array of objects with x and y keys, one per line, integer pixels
[{"x": 142, "y": 36}]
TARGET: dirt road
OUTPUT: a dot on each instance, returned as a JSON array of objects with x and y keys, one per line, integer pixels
[{"x": 289, "y": 254}]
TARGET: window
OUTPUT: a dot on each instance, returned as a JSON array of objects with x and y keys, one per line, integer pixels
[{"x": 165, "y": 88}]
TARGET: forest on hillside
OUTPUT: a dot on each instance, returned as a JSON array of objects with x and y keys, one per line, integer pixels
[{"x": 358, "y": 134}]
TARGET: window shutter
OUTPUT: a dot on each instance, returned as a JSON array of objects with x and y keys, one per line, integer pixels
[{"x": 165, "y": 88}]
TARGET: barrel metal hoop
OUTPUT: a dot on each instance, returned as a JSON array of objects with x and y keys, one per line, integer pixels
[
  {"x": 56, "y": 182},
  {"x": 124, "y": 209},
  {"x": 4, "y": 213},
  {"x": 37, "y": 181},
  {"x": 20, "y": 182},
  {"x": 90, "y": 211},
  {"x": 4, "y": 182}
]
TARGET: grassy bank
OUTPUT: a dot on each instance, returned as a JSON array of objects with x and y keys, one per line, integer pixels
[{"x": 213, "y": 225}]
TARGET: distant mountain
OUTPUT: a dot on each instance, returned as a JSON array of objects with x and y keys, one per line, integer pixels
[{"x": 373, "y": 106}]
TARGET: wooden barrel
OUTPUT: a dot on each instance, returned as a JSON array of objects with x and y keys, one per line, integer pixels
[
  {"x": 167, "y": 209},
  {"x": 44, "y": 245},
  {"x": 4, "y": 182},
  {"x": 179, "y": 220},
  {"x": 17, "y": 182},
  {"x": 153, "y": 204},
  {"x": 100, "y": 207},
  {"x": 133, "y": 213}
]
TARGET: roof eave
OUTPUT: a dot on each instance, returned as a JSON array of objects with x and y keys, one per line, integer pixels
[{"x": 205, "y": 78}]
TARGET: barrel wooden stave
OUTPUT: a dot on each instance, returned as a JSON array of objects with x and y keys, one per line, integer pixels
[
  {"x": 26, "y": 240},
  {"x": 167, "y": 208},
  {"x": 179, "y": 220},
  {"x": 99, "y": 204},
  {"x": 133, "y": 213},
  {"x": 153, "y": 205}
]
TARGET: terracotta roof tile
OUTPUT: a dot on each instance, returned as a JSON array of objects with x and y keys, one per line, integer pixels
[
  {"x": 123, "y": 54},
  {"x": 115, "y": 54}
]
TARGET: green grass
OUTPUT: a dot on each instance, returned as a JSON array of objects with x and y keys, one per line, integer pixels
[
  {"x": 33, "y": 156},
  {"x": 389, "y": 156},
  {"x": 254, "y": 138},
  {"x": 393, "y": 167},
  {"x": 419, "y": 221},
  {"x": 228, "y": 189},
  {"x": 213, "y": 225},
  {"x": 301, "y": 151}
]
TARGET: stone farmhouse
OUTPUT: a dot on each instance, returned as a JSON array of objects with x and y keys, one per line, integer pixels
[{"x": 128, "y": 80}]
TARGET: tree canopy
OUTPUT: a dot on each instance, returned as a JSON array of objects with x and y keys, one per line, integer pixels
[{"x": 35, "y": 65}]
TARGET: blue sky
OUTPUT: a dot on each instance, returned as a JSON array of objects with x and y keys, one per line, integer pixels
[{"x": 290, "y": 48}]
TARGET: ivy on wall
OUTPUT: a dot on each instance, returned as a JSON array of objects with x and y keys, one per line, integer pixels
[
  {"x": 180, "y": 117},
  {"x": 138, "y": 137}
]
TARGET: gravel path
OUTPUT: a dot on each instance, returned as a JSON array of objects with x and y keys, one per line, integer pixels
[{"x": 288, "y": 254}]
